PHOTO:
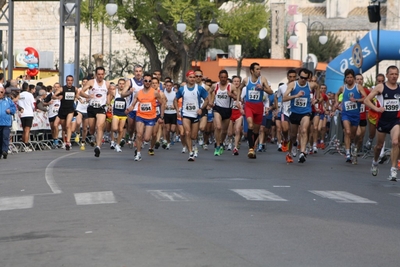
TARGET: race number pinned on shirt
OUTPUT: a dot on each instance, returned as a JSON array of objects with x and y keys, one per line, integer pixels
[
  {"x": 119, "y": 104},
  {"x": 349, "y": 105},
  {"x": 300, "y": 102},
  {"x": 95, "y": 103},
  {"x": 190, "y": 106},
  {"x": 254, "y": 95},
  {"x": 362, "y": 108},
  {"x": 391, "y": 104},
  {"x": 69, "y": 95},
  {"x": 145, "y": 107}
]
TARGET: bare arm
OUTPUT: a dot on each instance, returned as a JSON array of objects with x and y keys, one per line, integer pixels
[
  {"x": 287, "y": 96},
  {"x": 368, "y": 99},
  {"x": 265, "y": 86},
  {"x": 88, "y": 85}
]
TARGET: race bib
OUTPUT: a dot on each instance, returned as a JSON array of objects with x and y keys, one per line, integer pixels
[
  {"x": 190, "y": 106},
  {"x": 145, "y": 107},
  {"x": 95, "y": 103},
  {"x": 391, "y": 104},
  {"x": 119, "y": 104},
  {"x": 169, "y": 107},
  {"x": 362, "y": 108},
  {"x": 234, "y": 106},
  {"x": 55, "y": 109},
  {"x": 300, "y": 102},
  {"x": 348, "y": 105},
  {"x": 69, "y": 95},
  {"x": 222, "y": 96},
  {"x": 158, "y": 110},
  {"x": 254, "y": 95}
]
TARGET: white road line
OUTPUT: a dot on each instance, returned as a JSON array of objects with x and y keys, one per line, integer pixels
[
  {"x": 258, "y": 195},
  {"x": 169, "y": 195},
  {"x": 49, "y": 174},
  {"x": 343, "y": 197},
  {"x": 91, "y": 198},
  {"x": 396, "y": 194},
  {"x": 14, "y": 203},
  {"x": 284, "y": 186}
]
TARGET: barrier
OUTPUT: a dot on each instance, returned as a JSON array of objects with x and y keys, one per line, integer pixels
[
  {"x": 40, "y": 121},
  {"x": 389, "y": 49}
]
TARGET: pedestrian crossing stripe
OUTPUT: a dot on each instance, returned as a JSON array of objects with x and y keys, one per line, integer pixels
[
  {"x": 342, "y": 197},
  {"x": 90, "y": 198},
  {"x": 14, "y": 203},
  {"x": 258, "y": 195},
  {"x": 172, "y": 195}
]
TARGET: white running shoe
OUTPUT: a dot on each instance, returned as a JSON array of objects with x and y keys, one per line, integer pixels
[
  {"x": 184, "y": 150},
  {"x": 229, "y": 148},
  {"x": 112, "y": 145},
  {"x": 168, "y": 146},
  {"x": 294, "y": 151},
  {"x": 196, "y": 152},
  {"x": 374, "y": 169},
  {"x": 205, "y": 147},
  {"x": 315, "y": 149},
  {"x": 118, "y": 148},
  {"x": 393, "y": 175},
  {"x": 138, "y": 157}
]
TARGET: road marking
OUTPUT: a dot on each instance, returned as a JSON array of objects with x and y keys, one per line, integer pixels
[
  {"x": 92, "y": 198},
  {"x": 258, "y": 195},
  {"x": 49, "y": 174},
  {"x": 15, "y": 203},
  {"x": 284, "y": 186},
  {"x": 396, "y": 194},
  {"x": 342, "y": 197},
  {"x": 169, "y": 195}
]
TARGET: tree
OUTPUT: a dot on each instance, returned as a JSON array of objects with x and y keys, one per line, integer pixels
[
  {"x": 153, "y": 23},
  {"x": 328, "y": 51}
]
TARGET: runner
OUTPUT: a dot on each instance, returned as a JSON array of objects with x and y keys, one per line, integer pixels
[
  {"x": 170, "y": 114},
  {"x": 119, "y": 117},
  {"x": 353, "y": 96},
  {"x": 146, "y": 114},
  {"x": 192, "y": 95},
  {"x": 236, "y": 120},
  {"x": 81, "y": 117},
  {"x": 99, "y": 88},
  {"x": 299, "y": 94},
  {"x": 67, "y": 109},
  {"x": 389, "y": 121},
  {"x": 221, "y": 102},
  {"x": 54, "y": 106},
  {"x": 158, "y": 128},
  {"x": 254, "y": 86}
]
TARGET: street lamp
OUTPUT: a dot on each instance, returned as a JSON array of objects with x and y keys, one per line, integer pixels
[
  {"x": 374, "y": 15},
  {"x": 91, "y": 6},
  {"x": 111, "y": 9},
  {"x": 322, "y": 38}
]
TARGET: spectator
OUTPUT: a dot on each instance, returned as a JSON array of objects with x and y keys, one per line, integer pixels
[
  {"x": 7, "y": 109},
  {"x": 40, "y": 105},
  {"x": 32, "y": 89},
  {"x": 1, "y": 80},
  {"x": 27, "y": 103}
]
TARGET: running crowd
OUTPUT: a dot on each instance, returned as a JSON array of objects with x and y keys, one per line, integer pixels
[{"x": 199, "y": 112}]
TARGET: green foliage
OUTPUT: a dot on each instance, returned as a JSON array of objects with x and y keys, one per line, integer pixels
[
  {"x": 328, "y": 51},
  {"x": 369, "y": 82}
]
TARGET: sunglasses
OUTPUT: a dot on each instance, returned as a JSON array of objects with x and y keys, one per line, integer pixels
[
  {"x": 147, "y": 81},
  {"x": 199, "y": 76},
  {"x": 303, "y": 78}
]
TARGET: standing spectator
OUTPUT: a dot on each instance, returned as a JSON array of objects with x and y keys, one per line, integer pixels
[
  {"x": 7, "y": 109},
  {"x": 2, "y": 80},
  {"x": 27, "y": 102}
]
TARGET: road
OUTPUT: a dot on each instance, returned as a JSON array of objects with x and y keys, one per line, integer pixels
[{"x": 60, "y": 208}]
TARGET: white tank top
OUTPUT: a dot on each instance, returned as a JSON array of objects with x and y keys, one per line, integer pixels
[
  {"x": 136, "y": 89},
  {"x": 54, "y": 107},
  {"x": 169, "y": 107},
  {"x": 191, "y": 102},
  {"x": 100, "y": 95},
  {"x": 222, "y": 98},
  {"x": 82, "y": 105}
]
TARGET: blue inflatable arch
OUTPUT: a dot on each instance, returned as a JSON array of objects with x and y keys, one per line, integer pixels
[{"x": 389, "y": 49}]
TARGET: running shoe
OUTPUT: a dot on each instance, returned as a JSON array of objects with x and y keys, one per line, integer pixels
[
  {"x": 83, "y": 146},
  {"x": 280, "y": 147},
  {"x": 235, "y": 151},
  {"x": 285, "y": 146},
  {"x": 201, "y": 141},
  {"x": 294, "y": 151},
  {"x": 196, "y": 151},
  {"x": 393, "y": 175},
  {"x": 229, "y": 148},
  {"x": 77, "y": 138},
  {"x": 315, "y": 149},
  {"x": 27, "y": 149},
  {"x": 164, "y": 144},
  {"x": 374, "y": 169},
  {"x": 97, "y": 152},
  {"x": 322, "y": 146},
  {"x": 122, "y": 143},
  {"x": 216, "y": 151},
  {"x": 112, "y": 145},
  {"x": 138, "y": 157},
  {"x": 151, "y": 152},
  {"x": 259, "y": 149},
  {"x": 168, "y": 146},
  {"x": 221, "y": 150},
  {"x": 368, "y": 145},
  {"x": 348, "y": 158},
  {"x": 191, "y": 157},
  {"x": 251, "y": 154},
  {"x": 68, "y": 146},
  {"x": 302, "y": 157},
  {"x": 184, "y": 150},
  {"x": 157, "y": 145},
  {"x": 382, "y": 159},
  {"x": 289, "y": 158},
  {"x": 205, "y": 147},
  {"x": 354, "y": 156},
  {"x": 118, "y": 148}
]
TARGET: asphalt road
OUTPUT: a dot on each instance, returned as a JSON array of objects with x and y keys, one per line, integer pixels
[{"x": 60, "y": 208}]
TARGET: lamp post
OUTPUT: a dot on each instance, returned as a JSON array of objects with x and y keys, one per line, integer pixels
[
  {"x": 91, "y": 6},
  {"x": 322, "y": 38},
  {"x": 374, "y": 14},
  {"x": 111, "y": 9},
  {"x": 181, "y": 27}
]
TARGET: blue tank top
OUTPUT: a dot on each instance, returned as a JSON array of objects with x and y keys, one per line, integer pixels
[
  {"x": 253, "y": 95},
  {"x": 119, "y": 104},
  {"x": 391, "y": 103},
  {"x": 352, "y": 108},
  {"x": 301, "y": 105}
]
